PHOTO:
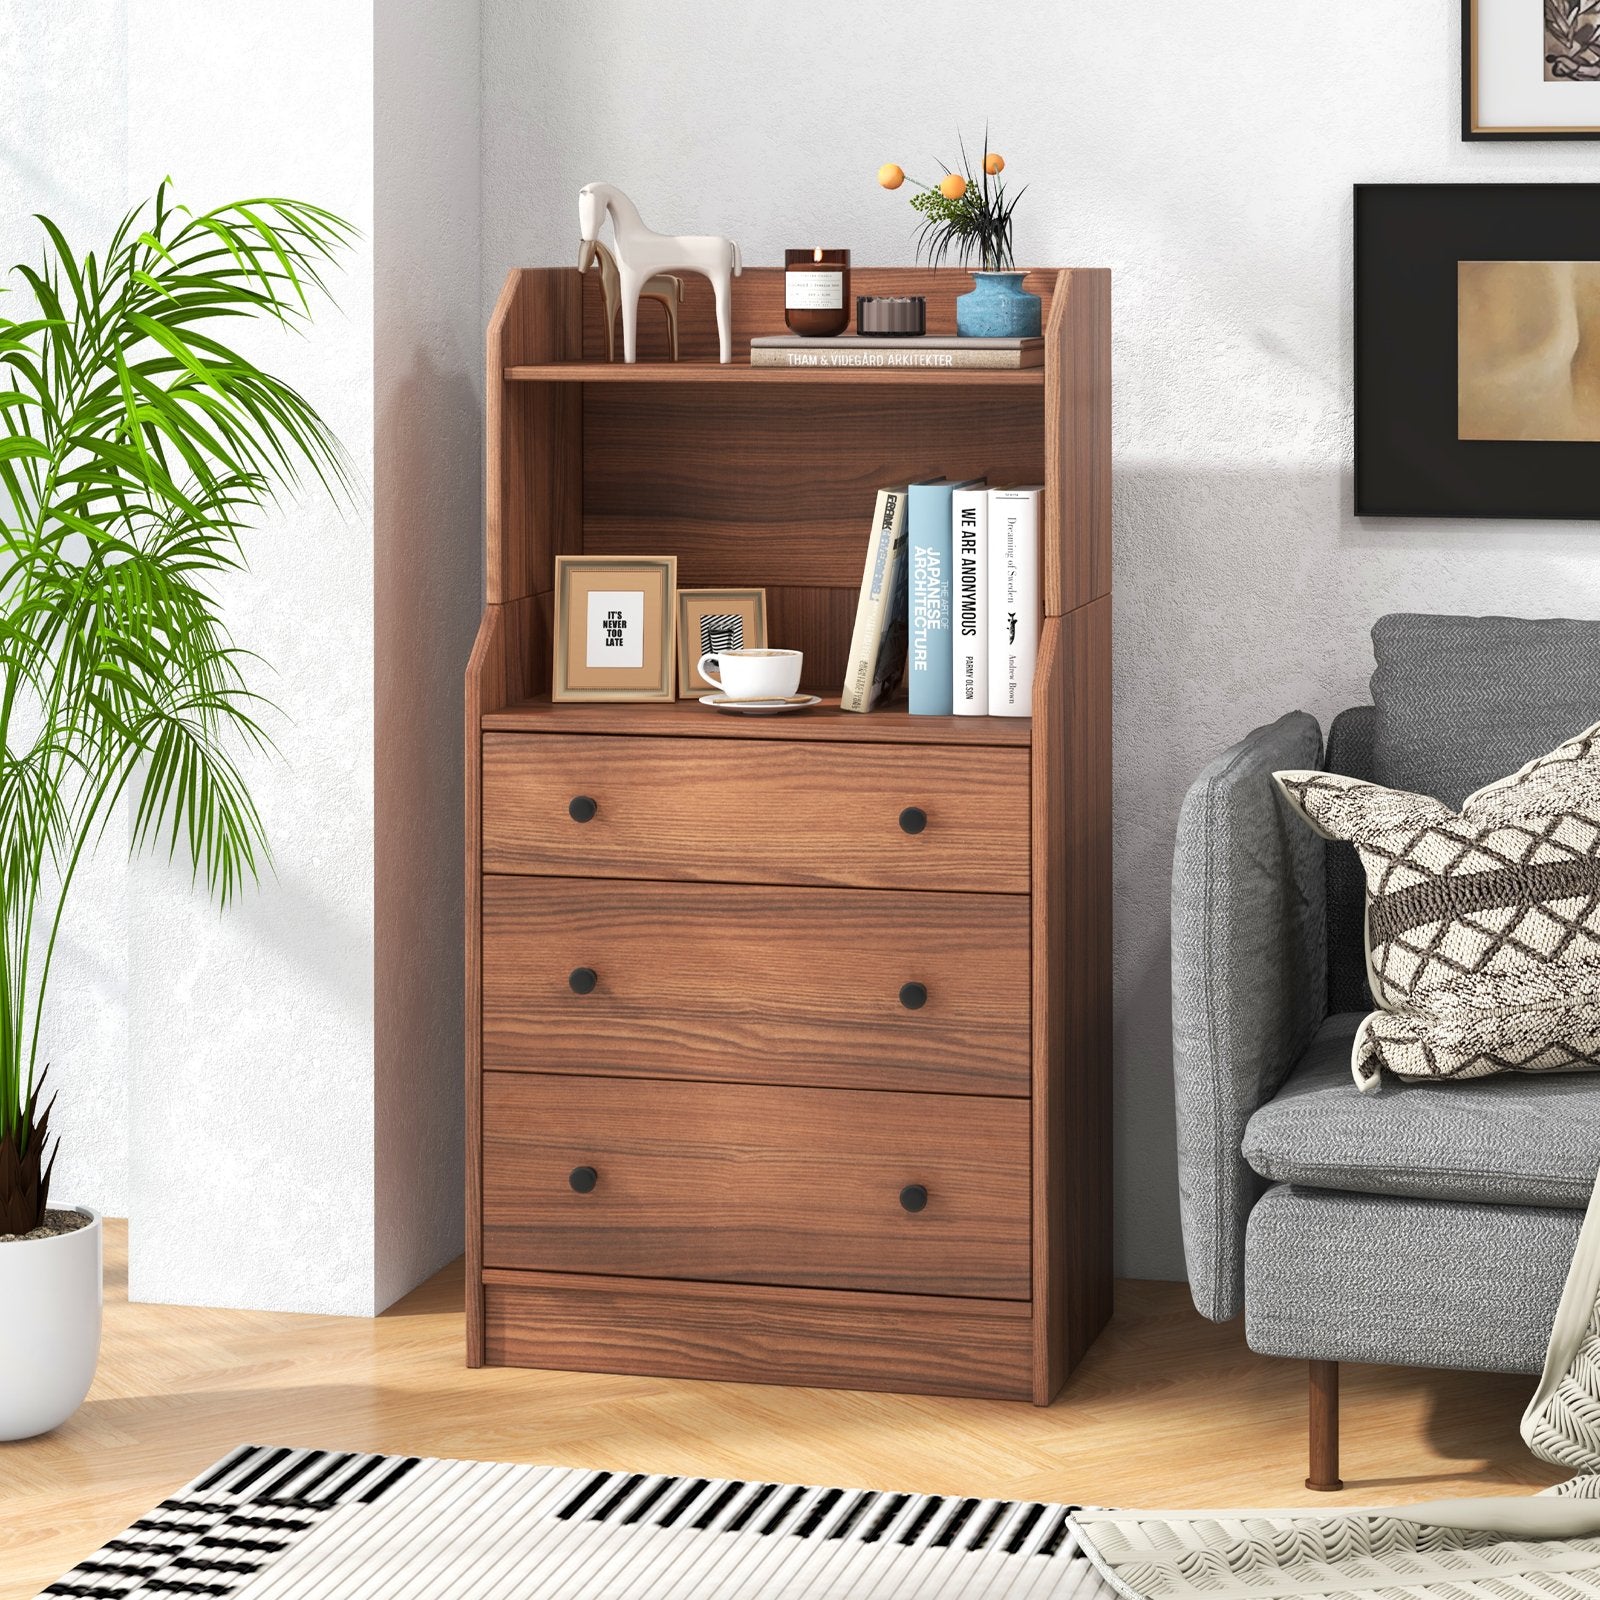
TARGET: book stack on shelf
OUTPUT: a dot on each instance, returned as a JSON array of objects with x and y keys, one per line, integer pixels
[
  {"x": 950, "y": 601},
  {"x": 933, "y": 352}
]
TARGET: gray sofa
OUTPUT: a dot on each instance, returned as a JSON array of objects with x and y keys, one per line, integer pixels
[{"x": 1431, "y": 1224}]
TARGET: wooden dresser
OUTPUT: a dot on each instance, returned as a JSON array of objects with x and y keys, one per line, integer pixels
[{"x": 788, "y": 1039}]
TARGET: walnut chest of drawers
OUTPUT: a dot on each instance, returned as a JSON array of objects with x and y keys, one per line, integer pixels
[{"x": 787, "y": 1039}]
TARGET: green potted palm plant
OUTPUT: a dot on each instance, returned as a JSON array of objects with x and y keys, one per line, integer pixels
[{"x": 136, "y": 451}]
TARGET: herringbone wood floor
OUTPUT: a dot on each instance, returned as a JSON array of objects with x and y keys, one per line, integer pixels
[{"x": 1168, "y": 1410}]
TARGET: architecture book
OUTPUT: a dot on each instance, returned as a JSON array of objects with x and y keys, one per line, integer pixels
[
  {"x": 930, "y": 352},
  {"x": 930, "y": 552}
]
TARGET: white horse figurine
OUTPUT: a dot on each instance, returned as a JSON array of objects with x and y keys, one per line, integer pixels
[
  {"x": 665, "y": 288},
  {"x": 642, "y": 254}
]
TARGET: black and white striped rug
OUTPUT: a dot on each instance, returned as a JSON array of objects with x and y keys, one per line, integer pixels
[{"x": 270, "y": 1523}]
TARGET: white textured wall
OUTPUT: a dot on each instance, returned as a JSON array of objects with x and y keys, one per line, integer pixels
[
  {"x": 428, "y": 510},
  {"x": 251, "y": 1033},
  {"x": 316, "y": 1065},
  {"x": 1205, "y": 153}
]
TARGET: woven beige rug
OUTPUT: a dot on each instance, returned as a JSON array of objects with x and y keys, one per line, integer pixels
[{"x": 1542, "y": 1547}]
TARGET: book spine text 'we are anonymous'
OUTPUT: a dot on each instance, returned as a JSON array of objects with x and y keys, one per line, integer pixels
[{"x": 969, "y": 515}]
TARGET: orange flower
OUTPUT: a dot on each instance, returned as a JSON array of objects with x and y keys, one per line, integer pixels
[
  {"x": 890, "y": 176},
  {"x": 994, "y": 163},
  {"x": 952, "y": 186}
]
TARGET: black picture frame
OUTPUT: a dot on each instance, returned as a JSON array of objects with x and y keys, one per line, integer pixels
[
  {"x": 1409, "y": 458},
  {"x": 1470, "y": 130}
]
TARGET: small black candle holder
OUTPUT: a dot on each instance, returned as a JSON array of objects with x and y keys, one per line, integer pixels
[{"x": 894, "y": 316}]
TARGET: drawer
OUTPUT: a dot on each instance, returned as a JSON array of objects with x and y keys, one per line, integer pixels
[
  {"x": 817, "y": 1338},
  {"x": 736, "y": 1183},
  {"x": 855, "y": 988},
  {"x": 756, "y": 811}
]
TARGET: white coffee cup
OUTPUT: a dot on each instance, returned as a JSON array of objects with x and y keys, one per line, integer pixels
[{"x": 753, "y": 674}]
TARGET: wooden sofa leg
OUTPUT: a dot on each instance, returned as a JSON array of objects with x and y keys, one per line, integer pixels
[{"x": 1324, "y": 1426}]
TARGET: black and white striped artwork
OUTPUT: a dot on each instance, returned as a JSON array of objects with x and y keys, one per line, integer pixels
[
  {"x": 271, "y": 1523},
  {"x": 721, "y": 632}
]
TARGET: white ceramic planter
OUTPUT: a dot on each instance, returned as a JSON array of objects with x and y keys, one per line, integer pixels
[{"x": 50, "y": 1293}]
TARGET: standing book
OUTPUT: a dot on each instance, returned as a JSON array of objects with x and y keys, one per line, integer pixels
[
  {"x": 1016, "y": 613},
  {"x": 969, "y": 516},
  {"x": 878, "y": 644},
  {"x": 930, "y": 550}
]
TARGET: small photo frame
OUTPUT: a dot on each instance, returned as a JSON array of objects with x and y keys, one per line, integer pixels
[
  {"x": 614, "y": 625},
  {"x": 716, "y": 619},
  {"x": 1530, "y": 69}
]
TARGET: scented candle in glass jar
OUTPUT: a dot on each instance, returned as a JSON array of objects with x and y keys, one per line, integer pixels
[{"x": 816, "y": 291}]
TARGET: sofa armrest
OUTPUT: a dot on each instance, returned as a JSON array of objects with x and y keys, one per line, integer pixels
[{"x": 1249, "y": 983}]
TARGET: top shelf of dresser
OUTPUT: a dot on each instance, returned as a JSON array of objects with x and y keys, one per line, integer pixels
[
  {"x": 764, "y": 477},
  {"x": 743, "y": 372},
  {"x": 689, "y": 719}
]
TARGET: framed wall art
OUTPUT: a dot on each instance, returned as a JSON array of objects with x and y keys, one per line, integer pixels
[
  {"x": 614, "y": 624},
  {"x": 1530, "y": 69},
  {"x": 716, "y": 619},
  {"x": 1477, "y": 377}
]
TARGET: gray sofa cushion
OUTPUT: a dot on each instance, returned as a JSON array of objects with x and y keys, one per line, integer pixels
[
  {"x": 1423, "y": 1283},
  {"x": 1462, "y": 701},
  {"x": 1510, "y": 1140},
  {"x": 1249, "y": 983}
]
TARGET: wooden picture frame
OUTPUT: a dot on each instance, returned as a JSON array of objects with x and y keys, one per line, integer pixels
[
  {"x": 1440, "y": 429},
  {"x": 621, "y": 604},
  {"x": 699, "y": 613},
  {"x": 1519, "y": 81}
]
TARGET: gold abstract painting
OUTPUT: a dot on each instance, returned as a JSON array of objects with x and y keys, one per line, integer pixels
[{"x": 1528, "y": 349}]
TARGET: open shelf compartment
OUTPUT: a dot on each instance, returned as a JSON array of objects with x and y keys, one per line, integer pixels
[{"x": 765, "y": 477}]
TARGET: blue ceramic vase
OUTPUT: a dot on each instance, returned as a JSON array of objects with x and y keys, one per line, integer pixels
[{"x": 998, "y": 308}]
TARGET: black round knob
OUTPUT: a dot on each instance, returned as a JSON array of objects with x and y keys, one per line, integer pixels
[
  {"x": 913, "y": 996},
  {"x": 913, "y": 1197},
  {"x": 583, "y": 979},
  {"x": 583, "y": 1179},
  {"x": 913, "y": 819},
  {"x": 581, "y": 808}
]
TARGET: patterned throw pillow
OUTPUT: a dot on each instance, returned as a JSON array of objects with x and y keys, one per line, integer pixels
[{"x": 1483, "y": 926}]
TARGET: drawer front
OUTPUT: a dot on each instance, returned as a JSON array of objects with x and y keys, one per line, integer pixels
[
  {"x": 853, "y": 988},
  {"x": 736, "y": 1183},
  {"x": 756, "y": 811},
  {"x": 816, "y": 1338}
]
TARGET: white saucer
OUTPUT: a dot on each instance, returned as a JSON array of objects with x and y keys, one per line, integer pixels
[{"x": 760, "y": 708}]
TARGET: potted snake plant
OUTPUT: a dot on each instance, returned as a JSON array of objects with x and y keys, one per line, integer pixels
[{"x": 136, "y": 452}]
